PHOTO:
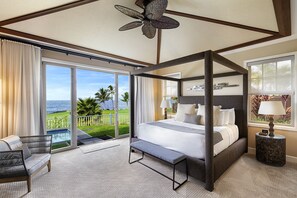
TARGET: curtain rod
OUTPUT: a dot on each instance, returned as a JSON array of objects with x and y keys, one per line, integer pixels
[{"x": 67, "y": 52}]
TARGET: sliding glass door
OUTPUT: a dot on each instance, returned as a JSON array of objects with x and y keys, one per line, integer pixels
[{"x": 85, "y": 106}]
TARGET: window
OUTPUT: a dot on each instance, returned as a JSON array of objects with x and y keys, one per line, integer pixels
[
  {"x": 272, "y": 79},
  {"x": 170, "y": 91}
]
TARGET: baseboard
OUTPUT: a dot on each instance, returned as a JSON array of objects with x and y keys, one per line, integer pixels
[
  {"x": 251, "y": 151},
  {"x": 288, "y": 157}
]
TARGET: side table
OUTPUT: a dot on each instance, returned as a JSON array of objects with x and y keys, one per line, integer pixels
[{"x": 271, "y": 150}]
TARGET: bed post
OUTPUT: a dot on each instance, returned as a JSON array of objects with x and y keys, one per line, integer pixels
[
  {"x": 208, "y": 102},
  {"x": 244, "y": 103},
  {"x": 132, "y": 106},
  {"x": 179, "y": 89}
]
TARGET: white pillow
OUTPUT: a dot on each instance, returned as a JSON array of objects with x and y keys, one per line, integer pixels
[
  {"x": 223, "y": 117},
  {"x": 226, "y": 116},
  {"x": 201, "y": 112},
  {"x": 183, "y": 109},
  {"x": 232, "y": 116},
  {"x": 196, "y": 110}
]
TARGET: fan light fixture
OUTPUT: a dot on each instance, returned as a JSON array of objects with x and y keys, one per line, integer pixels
[{"x": 150, "y": 19}]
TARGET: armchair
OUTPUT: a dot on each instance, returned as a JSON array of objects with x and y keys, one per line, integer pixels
[{"x": 23, "y": 157}]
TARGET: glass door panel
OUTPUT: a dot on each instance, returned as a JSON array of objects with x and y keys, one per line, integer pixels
[
  {"x": 58, "y": 105},
  {"x": 123, "y": 104}
]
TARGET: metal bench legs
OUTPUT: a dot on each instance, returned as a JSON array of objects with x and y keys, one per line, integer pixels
[
  {"x": 134, "y": 160},
  {"x": 179, "y": 184},
  {"x": 174, "y": 169}
]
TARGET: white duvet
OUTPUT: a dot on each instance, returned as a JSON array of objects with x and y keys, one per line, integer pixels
[{"x": 191, "y": 144}]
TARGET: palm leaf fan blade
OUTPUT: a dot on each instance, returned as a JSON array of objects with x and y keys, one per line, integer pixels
[
  {"x": 129, "y": 12},
  {"x": 165, "y": 23},
  {"x": 130, "y": 26},
  {"x": 155, "y": 9},
  {"x": 148, "y": 30},
  {"x": 140, "y": 3}
]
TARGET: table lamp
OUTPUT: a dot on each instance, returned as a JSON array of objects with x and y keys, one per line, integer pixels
[
  {"x": 271, "y": 108},
  {"x": 165, "y": 104}
]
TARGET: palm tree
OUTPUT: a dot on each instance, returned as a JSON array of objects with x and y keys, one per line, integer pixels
[
  {"x": 102, "y": 95},
  {"x": 111, "y": 92},
  {"x": 88, "y": 106},
  {"x": 125, "y": 97}
]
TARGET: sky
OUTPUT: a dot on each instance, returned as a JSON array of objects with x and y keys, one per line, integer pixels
[{"x": 58, "y": 83}]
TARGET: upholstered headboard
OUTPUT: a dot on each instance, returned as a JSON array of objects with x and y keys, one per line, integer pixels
[{"x": 227, "y": 102}]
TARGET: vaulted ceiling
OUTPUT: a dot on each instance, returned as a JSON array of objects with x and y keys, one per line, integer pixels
[{"x": 91, "y": 26}]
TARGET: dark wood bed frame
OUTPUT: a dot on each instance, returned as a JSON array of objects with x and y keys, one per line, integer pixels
[{"x": 211, "y": 168}]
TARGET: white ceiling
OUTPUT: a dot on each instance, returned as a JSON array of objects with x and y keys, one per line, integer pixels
[
  {"x": 256, "y": 13},
  {"x": 96, "y": 25},
  {"x": 14, "y": 8}
]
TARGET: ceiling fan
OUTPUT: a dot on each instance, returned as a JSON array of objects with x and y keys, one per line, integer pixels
[{"x": 150, "y": 19}]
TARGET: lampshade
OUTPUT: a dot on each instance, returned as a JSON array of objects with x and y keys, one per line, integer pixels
[
  {"x": 165, "y": 104},
  {"x": 271, "y": 108}
]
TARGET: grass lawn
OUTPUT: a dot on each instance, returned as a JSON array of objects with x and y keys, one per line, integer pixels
[
  {"x": 96, "y": 131},
  {"x": 58, "y": 115},
  {"x": 60, "y": 145},
  {"x": 112, "y": 111},
  {"x": 67, "y": 113}
]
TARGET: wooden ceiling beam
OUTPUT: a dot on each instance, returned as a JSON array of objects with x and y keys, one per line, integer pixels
[
  {"x": 69, "y": 46},
  {"x": 221, "y": 22},
  {"x": 282, "y": 9},
  {"x": 178, "y": 61},
  {"x": 45, "y": 12},
  {"x": 254, "y": 42},
  {"x": 159, "y": 41}
]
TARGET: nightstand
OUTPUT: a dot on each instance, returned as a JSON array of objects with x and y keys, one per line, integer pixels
[{"x": 271, "y": 150}]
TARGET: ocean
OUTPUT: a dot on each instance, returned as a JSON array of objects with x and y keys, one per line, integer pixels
[{"x": 65, "y": 105}]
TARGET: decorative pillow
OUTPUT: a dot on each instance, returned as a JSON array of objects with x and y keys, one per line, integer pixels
[
  {"x": 26, "y": 152},
  {"x": 227, "y": 116},
  {"x": 13, "y": 141},
  {"x": 192, "y": 118},
  {"x": 232, "y": 116},
  {"x": 201, "y": 112},
  {"x": 223, "y": 117},
  {"x": 196, "y": 110},
  {"x": 183, "y": 109}
]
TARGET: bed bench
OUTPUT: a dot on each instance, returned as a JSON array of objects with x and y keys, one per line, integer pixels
[{"x": 169, "y": 156}]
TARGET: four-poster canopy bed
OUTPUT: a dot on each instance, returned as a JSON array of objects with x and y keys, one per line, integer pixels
[{"x": 211, "y": 167}]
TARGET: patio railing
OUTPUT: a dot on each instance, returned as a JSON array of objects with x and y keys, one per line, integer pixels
[{"x": 95, "y": 120}]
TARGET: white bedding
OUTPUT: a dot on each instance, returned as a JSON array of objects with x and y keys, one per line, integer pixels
[{"x": 191, "y": 144}]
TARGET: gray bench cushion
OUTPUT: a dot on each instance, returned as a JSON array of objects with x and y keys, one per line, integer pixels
[
  {"x": 36, "y": 161},
  {"x": 160, "y": 152}
]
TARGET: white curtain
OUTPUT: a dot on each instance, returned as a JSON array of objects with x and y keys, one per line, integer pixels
[
  {"x": 144, "y": 99},
  {"x": 20, "y": 67}
]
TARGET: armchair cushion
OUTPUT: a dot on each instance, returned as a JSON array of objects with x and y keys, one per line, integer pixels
[
  {"x": 36, "y": 161},
  {"x": 13, "y": 142},
  {"x": 11, "y": 164},
  {"x": 26, "y": 151},
  {"x": 4, "y": 146}
]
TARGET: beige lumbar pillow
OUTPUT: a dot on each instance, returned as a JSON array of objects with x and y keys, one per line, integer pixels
[
  {"x": 216, "y": 112},
  {"x": 182, "y": 110}
]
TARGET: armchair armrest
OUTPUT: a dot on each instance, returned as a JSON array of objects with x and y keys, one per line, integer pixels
[
  {"x": 38, "y": 144},
  {"x": 12, "y": 164}
]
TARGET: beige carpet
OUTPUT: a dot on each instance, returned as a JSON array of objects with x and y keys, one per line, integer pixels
[
  {"x": 106, "y": 173},
  {"x": 99, "y": 146}
]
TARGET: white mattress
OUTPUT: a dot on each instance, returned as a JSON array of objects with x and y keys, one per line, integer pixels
[{"x": 191, "y": 144}]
